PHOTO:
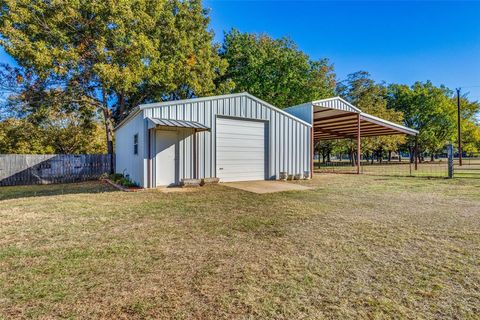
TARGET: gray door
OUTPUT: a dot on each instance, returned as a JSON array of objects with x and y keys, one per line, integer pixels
[{"x": 240, "y": 150}]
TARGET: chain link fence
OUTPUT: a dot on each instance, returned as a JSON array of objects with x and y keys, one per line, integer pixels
[
  {"x": 403, "y": 165},
  {"x": 400, "y": 166},
  {"x": 436, "y": 168}
]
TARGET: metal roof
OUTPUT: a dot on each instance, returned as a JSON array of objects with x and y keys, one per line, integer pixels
[
  {"x": 135, "y": 111},
  {"x": 335, "y": 118},
  {"x": 219, "y": 97},
  {"x": 156, "y": 122}
]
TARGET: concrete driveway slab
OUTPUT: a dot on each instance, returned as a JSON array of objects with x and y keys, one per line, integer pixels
[{"x": 265, "y": 186}]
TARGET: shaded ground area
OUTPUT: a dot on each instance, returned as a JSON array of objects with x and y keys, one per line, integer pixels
[
  {"x": 52, "y": 190},
  {"x": 352, "y": 247}
]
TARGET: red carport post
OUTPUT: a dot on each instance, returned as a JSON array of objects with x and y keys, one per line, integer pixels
[
  {"x": 359, "y": 144},
  {"x": 415, "y": 152}
]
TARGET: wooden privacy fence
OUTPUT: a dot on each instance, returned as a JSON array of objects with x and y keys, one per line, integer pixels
[{"x": 24, "y": 169}]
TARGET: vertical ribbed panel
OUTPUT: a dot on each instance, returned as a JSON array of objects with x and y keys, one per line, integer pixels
[
  {"x": 289, "y": 138},
  {"x": 336, "y": 103}
]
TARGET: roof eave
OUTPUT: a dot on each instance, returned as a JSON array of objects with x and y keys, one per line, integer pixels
[
  {"x": 135, "y": 111},
  {"x": 393, "y": 125}
]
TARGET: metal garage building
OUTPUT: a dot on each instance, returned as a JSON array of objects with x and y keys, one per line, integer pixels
[{"x": 234, "y": 137}]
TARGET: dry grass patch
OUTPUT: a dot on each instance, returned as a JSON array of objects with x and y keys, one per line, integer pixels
[{"x": 352, "y": 247}]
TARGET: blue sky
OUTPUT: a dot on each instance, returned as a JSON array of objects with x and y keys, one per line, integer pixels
[
  {"x": 395, "y": 41},
  {"x": 398, "y": 42}
]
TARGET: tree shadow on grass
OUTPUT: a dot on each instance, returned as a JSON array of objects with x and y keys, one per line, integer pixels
[{"x": 17, "y": 192}]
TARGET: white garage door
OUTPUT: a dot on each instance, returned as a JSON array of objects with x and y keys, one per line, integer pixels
[{"x": 240, "y": 150}]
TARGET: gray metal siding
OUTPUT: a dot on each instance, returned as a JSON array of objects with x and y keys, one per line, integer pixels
[
  {"x": 288, "y": 137},
  {"x": 336, "y": 104},
  {"x": 302, "y": 111}
]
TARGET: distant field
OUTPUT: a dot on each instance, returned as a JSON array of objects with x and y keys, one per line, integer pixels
[
  {"x": 373, "y": 247},
  {"x": 438, "y": 168}
]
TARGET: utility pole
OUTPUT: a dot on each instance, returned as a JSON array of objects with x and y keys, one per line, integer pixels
[{"x": 459, "y": 129}]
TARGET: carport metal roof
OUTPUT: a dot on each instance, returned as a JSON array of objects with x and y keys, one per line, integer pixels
[{"x": 335, "y": 118}]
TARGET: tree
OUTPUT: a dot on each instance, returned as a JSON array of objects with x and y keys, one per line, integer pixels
[
  {"x": 65, "y": 136},
  {"x": 470, "y": 137},
  {"x": 470, "y": 110},
  {"x": 44, "y": 119},
  {"x": 426, "y": 108},
  {"x": 21, "y": 137},
  {"x": 360, "y": 90},
  {"x": 117, "y": 54},
  {"x": 275, "y": 70}
]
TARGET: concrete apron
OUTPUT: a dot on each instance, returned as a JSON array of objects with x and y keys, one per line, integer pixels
[{"x": 265, "y": 186}]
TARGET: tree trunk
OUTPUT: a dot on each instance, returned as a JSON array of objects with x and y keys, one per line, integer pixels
[
  {"x": 389, "y": 155},
  {"x": 121, "y": 105},
  {"x": 432, "y": 158},
  {"x": 107, "y": 115}
]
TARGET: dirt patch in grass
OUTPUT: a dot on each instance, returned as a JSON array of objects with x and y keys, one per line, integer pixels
[{"x": 352, "y": 247}]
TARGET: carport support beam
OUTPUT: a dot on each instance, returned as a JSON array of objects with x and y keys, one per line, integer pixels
[
  {"x": 359, "y": 143},
  {"x": 415, "y": 152},
  {"x": 312, "y": 150}
]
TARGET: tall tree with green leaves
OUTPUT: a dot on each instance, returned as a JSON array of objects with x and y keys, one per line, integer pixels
[
  {"x": 62, "y": 135},
  {"x": 117, "y": 54},
  {"x": 275, "y": 70},
  {"x": 362, "y": 91},
  {"x": 427, "y": 108},
  {"x": 40, "y": 118},
  {"x": 470, "y": 122}
]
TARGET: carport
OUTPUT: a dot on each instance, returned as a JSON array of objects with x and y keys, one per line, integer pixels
[{"x": 335, "y": 118}]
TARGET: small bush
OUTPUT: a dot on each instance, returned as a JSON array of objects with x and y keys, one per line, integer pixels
[
  {"x": 127, "y": 183},
  {"x": 118, "y": 178}
]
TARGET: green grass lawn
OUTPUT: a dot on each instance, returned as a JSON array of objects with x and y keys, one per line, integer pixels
[{"x": 353, "y": 247}]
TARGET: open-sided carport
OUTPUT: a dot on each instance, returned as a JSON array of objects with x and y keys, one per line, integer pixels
[{"x": 335, "y": 118}]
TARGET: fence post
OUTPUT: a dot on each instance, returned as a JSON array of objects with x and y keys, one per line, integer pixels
[{"x": 450, "y": 161}]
